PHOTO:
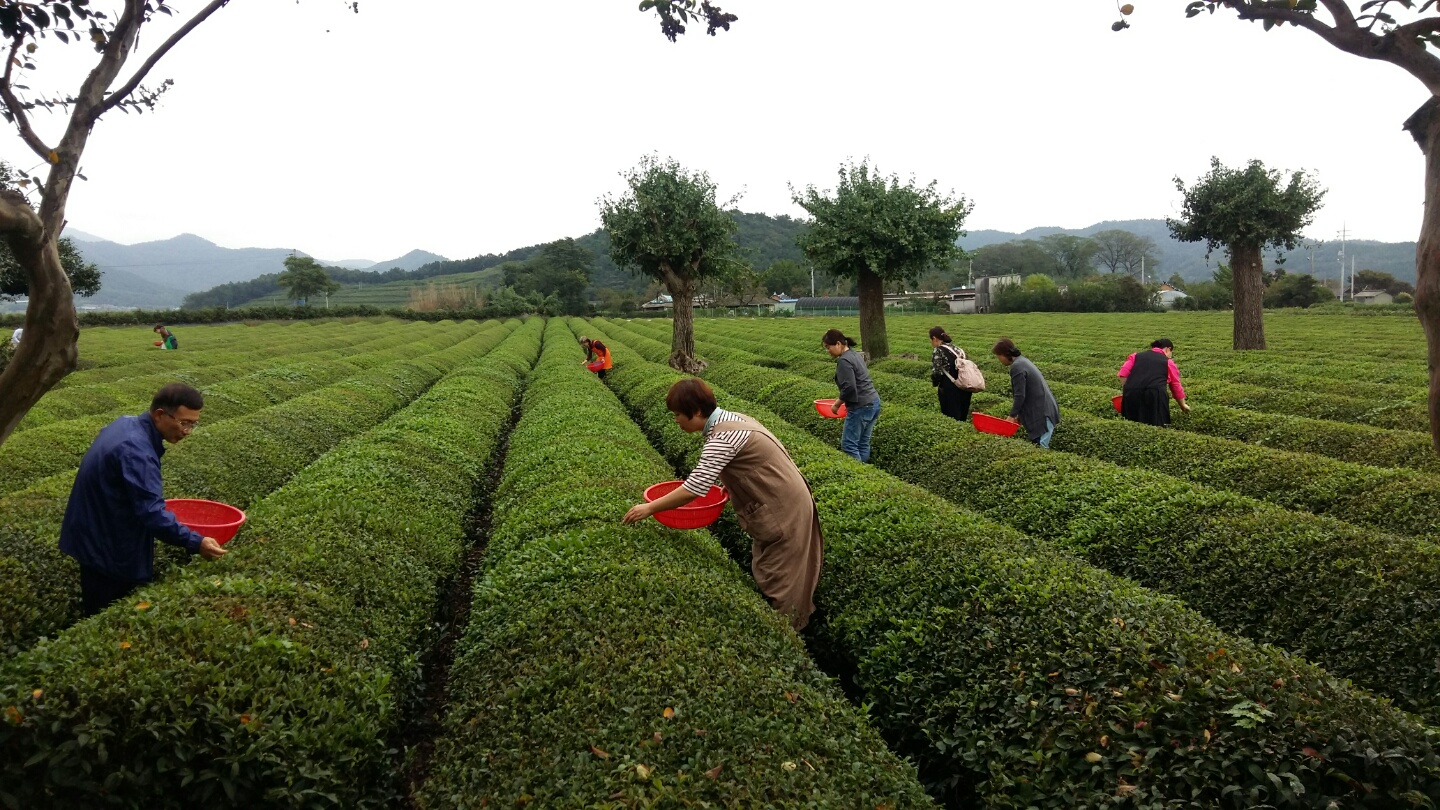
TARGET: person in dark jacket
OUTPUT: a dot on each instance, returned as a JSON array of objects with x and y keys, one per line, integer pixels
[
  {"x": 1147, "y": 377},
  {"x": 954, "y": 401},
  {"x": 857, "y": 394},
  {"x": 116, "y": 509},
  {"x": 1033, "y": 405}
]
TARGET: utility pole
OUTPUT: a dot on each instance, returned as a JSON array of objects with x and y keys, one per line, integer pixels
[
  {"x": 1142, "y": 271},
  {"x": 1352, "y": 278},
  {"x": 812, "y": 281},
  {"x": 1343, "y": 235}
]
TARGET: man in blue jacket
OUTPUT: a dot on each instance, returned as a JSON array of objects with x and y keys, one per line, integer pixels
[{"x": 116, "y": 508}]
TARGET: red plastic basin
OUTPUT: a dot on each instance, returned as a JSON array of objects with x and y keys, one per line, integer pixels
[
  {"x": 209, "y": 518},
  {"x": 596, "y": 365},
  {"x": 990, "y": 424},
  {"x": 697, "y": 514},
  {"x": 1116, "y": 401},
  {"x": 822, "y": 407}
]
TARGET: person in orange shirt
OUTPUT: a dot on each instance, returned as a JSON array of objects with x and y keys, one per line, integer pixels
[{"x": 597, "y": 356}]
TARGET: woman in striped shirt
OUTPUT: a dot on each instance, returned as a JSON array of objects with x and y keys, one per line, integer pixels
[{"x": 771, "y": 498}]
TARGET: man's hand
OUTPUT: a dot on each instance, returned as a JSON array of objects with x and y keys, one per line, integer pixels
[
  {"x": 1014, "y": 420},
  {"x": 637, "y": 513},
  {"x": 835, "y": 408},
  {"x": 211, "y": 549},
  {"x": 1184, "y": 406}
]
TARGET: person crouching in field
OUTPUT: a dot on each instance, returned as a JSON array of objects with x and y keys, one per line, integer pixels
[
  {"x": 771, "y": 498},
  {"x": 1033, "y": 405},
  {"x": 116, "y": 508},
  {"x": 167, "y": 338},
  {"x": 1147, "y": 375}
]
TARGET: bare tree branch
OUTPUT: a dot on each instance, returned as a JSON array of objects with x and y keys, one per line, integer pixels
[
  {"x": 22, "y": 120},
  {"x": 1341, "y": 13},
  {"x": 116, "y": 98}
]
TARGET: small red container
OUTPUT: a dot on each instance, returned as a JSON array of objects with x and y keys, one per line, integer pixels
[
  {"x": 990, "y": 424},
  {"x": 697, "y": 514},
  {"x": 209, "y": 518},
  {"x": 822, "y": 407},
  {"x": 596, "y": 365},
  {"x": 1116, "y": 400}
]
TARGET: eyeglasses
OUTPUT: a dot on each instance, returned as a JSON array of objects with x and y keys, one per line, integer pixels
[{"x": 186, "y": 425}]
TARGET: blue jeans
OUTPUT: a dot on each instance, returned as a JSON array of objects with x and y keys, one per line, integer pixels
[
  {"x": 1044, "y": 440},
  {"x": 859, "y": 422}
]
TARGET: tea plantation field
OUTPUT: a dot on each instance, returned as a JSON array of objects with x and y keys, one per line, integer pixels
[{"x": 434, "y": 604}]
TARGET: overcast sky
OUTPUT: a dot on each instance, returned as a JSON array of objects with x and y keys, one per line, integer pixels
[{"x": 472, "y": 126}]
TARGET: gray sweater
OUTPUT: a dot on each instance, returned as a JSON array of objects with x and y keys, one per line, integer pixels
[
  {"x": 1033, "y": 401},
  {"x": 851, "y": 376}
]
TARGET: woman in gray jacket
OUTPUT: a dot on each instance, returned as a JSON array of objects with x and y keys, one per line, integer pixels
[
  {"x": 857, "y": 392},
  {"x": 1033, "y": 406}
]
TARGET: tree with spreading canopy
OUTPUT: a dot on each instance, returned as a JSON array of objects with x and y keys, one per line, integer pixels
[
  {"x": 874, "y": 229},
  {"x": 561, "y": 269},
  {"x": 668, "y": 225},
  {"x": 1071, "y": 256},
  {"x": 52, "y": 327},
  {"x": 304, "y": 277},
  {"x": 1405, "y": 33},
  {"x": 1247, "y": 210},
  {"x": 1121, "y": 251}
]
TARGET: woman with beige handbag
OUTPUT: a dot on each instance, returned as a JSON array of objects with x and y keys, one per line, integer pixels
[{"x": 955, "y": 377}]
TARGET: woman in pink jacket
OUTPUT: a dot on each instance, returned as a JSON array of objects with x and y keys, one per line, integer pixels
[{"x": 1147, "y": 377}]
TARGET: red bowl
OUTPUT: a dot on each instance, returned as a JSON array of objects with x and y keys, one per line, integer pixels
[
  {"x": 990, "y": 424},
  {"x": 209, "y": 518},
  {"x": 822, "y": 407},
  {"x": 1116, "y": 401},
  {"x": 596, "y": 365},
  {"x": 697, "y": 514}
]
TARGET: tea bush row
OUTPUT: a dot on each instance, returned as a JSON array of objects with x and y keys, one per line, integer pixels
[
  {"x": 1019, "y": 677},
  {"x": 275, "y": 676},
  {"x": 631, "y": 666},
  {"x": 237, "y": 462}
]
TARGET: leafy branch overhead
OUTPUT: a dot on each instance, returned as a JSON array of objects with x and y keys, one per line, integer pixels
[
  {"x": 674, "y": 14},
  {"x": 1395, "y": 31}
]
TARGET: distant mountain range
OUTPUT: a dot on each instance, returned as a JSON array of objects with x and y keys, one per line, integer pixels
[
  {"x": 1188, "y": 258},
  {"x": 159, "y": 274}
]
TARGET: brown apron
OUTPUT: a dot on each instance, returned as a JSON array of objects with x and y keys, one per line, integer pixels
[{"x": 775, "y": 507}]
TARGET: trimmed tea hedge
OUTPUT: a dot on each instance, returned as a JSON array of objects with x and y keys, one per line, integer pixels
[
  {"x": 272, "y": 677},
  {"x": 1401, "y": 501},
  {"x": 615, "y": 666},
  {"x": 236, "y": 462},
  {"x": 1019, "y": 677},
  {"x": 132, "y": 393},
  {"x": 59, "y": 446},
  {"x": 1343, "y": 441},
  {"x": 1366, "y": 606}
]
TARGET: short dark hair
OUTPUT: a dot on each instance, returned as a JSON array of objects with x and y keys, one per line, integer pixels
[
  {"x": 177, "y": 395},
  {"x": 158, "y": 327},
  {"x": 690, "y": 396},
  {"x": 1162, "y": 343},
  {"x": 939, "y": 333},
  {"x": 1006, "y": 347},
  {"x": 834, "y": 336}
]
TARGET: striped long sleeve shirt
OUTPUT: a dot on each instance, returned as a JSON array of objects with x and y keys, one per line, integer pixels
[{"x": 716, "y": 453}]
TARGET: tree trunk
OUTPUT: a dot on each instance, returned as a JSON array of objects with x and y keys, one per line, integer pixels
[
  {"x": 1424, "y": 126},
  {"x": 1246, "y": 265},
  {"x": 872, "y": 317},
  {"x": 47, "y": 351},
  {"x": 682, "y": 334}
]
